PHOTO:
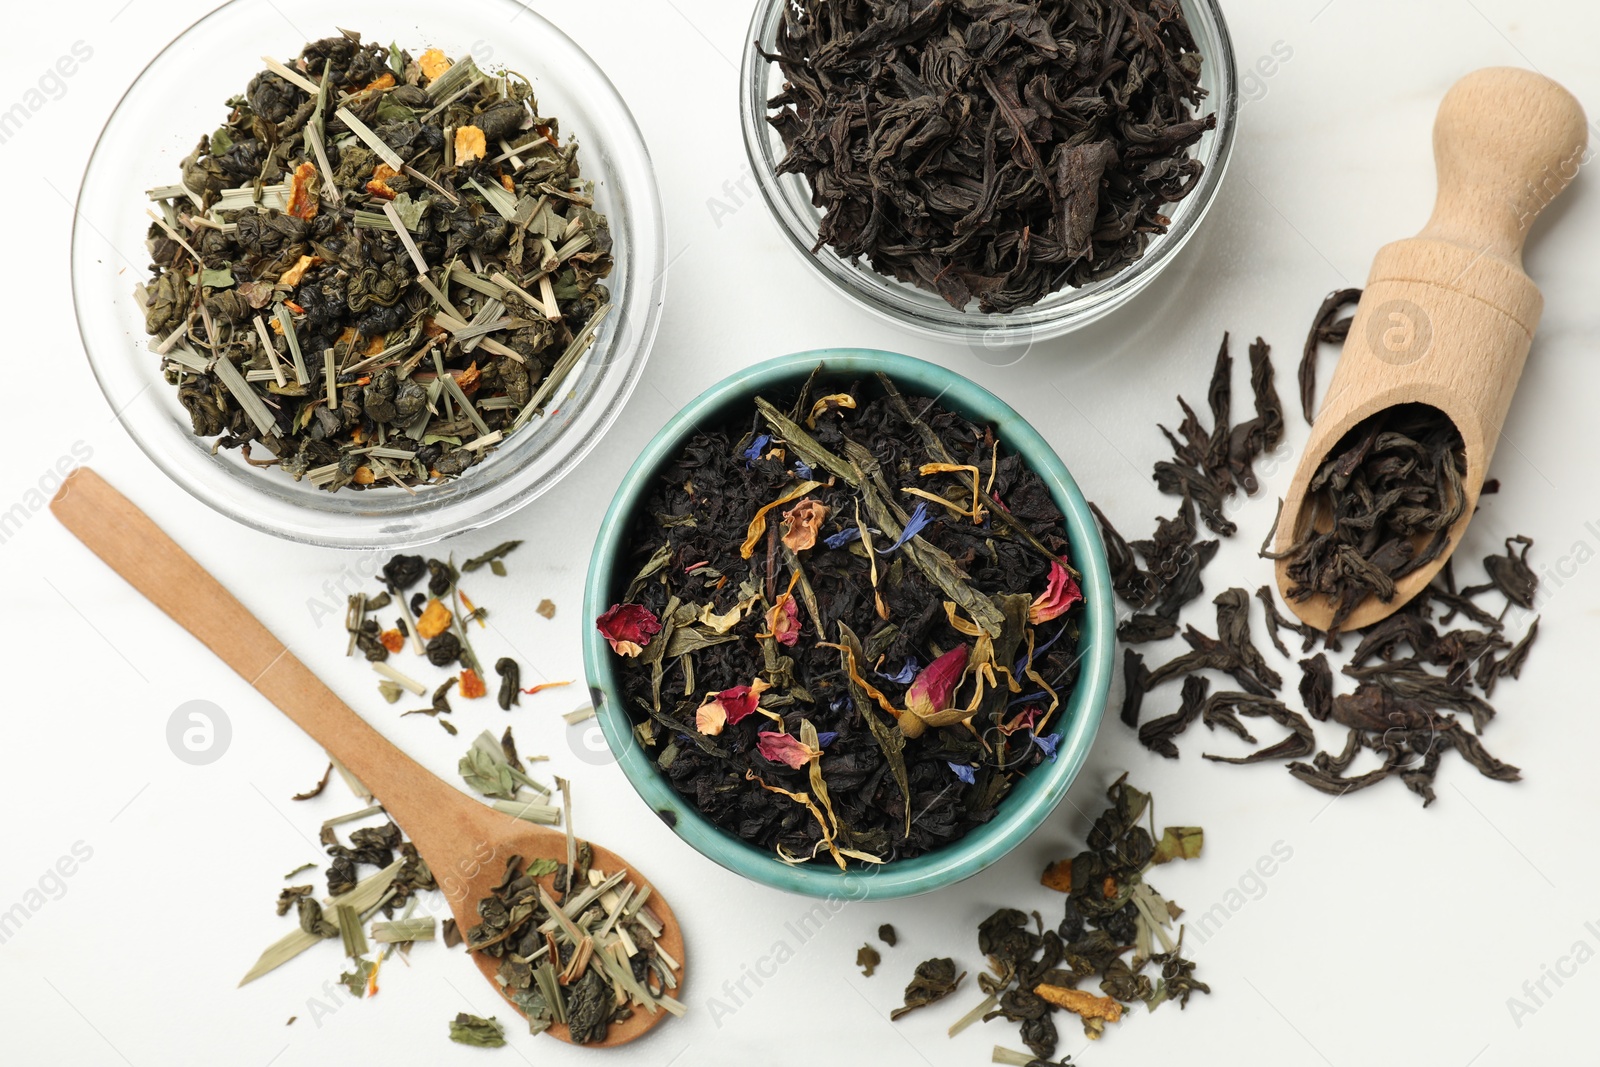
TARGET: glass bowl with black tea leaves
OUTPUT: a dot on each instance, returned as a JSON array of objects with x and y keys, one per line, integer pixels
[
  {"x": 376, "y": 287},
  {"x": 988, "y": 172},
  {"x": 849, "y": 625}
]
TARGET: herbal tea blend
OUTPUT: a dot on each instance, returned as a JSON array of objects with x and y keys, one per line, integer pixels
[
  {"x": 990, "y": 151},
  {"x": 580, "y": 950},
  {"x": 1111, "y": 911},
  {"x": 377, "y": 268},
  {"x": 434, "y": 624},
  {"x": 852, "y": 623},
  {"x": 1413, "y": 677}
]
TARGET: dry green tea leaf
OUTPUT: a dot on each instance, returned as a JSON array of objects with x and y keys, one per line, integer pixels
[{"x": 474, "y": 1030}]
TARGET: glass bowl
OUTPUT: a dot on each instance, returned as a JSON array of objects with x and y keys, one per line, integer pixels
[
  {"x": 1033, "y": 797},
  {"x": 180, "y": 95},
  {"x": 789, "y": 198}
]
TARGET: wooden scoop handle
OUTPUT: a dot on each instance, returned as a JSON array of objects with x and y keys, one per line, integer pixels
[
  {"x": 1506, "y": 142},
  {"x": 114, "y": 528},
  {"x": 1448, "y": 315}
]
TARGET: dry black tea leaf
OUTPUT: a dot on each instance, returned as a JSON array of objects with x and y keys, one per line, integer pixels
[
  {"x": 990, "y": 152},
  {"x": 376, "y": 269},
  {"x": 316, "y": 790},
  {"x": 887, "y": 935},
  {"x": 1326, "y": 328},
  {"x": 1135, "y": 682},
  {"x": 934, "y": 980}
]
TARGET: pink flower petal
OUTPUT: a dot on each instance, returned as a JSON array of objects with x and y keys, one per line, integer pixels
[
  {"x": 628, "y": 628},
  {"x": 931, "y": 691},
  {"x": 783, "y": 621},
  {"x": 1061, "y": 592},
  {"x": 784, "y": 748}
]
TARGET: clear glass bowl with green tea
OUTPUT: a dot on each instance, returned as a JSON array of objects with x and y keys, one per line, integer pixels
[{"x": 456, "y": 397}]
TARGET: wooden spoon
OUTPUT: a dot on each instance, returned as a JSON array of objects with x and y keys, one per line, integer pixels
[
  {"x": 465, "y": 843},
  {"x": 1447, "y": 316}
]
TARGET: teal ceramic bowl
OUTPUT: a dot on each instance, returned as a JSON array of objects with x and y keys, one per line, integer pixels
[{"x": 1034, "y": 796}]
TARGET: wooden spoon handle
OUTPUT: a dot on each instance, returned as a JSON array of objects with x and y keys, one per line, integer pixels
[{"x": 114, "y": 529}]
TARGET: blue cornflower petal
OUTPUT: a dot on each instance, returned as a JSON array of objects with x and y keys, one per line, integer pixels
[
  {"x": 914, "y": 525},
  {"x": 827, "y": 738},
  {"x": 843, "y": 537},
  {"x": 757, "y": 446},
  {"x": 1024, "y": 663},
  {"x": 906, "y": 675},
  {"x": 1048, "y": 742},
  {"x": 965, "y": 773},
  {"x": 803, "y": 469}
]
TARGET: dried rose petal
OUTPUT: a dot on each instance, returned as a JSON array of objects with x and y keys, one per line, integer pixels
[
  {"x": 1060, "y": 593},
  {"x": 729, "y": 707},
  {"x": 931, "y": 691},
  {"x": 801, "y": 523},
  {"x": 784, "y": 748},
  {"x": 783, "y": 620},
  {"x": 628, "y": 627}
]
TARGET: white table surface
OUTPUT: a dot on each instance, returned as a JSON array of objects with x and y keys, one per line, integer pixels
[{"x": 1391, "y": 934}]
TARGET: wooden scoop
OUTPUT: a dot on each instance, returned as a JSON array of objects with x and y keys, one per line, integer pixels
[
  {"x": 1448, "y": 315},
  {"x": 465, "y": 843}
]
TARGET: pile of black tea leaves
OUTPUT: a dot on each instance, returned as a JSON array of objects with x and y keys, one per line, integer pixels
[
  {"x": 377, "y": 268},
  {"x": 990, "y": 151},
  {"x": 1421, "y": 678},
  {"x": 1392, "y": 481},
  {"x": 852, "y": 623}
]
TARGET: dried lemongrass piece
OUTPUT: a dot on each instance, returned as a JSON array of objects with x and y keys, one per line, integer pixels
[
  {"x": 400, "y": 679},
  {"x": 400, "y": 931},
  {"x": 366, "y": 892}
]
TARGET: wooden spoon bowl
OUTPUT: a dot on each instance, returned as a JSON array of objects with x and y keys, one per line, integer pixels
[
  {"x": 1448, "y": 316},
  {"x": 465, "y": 843}
]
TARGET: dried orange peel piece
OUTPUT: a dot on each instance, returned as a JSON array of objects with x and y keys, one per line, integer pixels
[
  {"x": 434, "y": 620},
  {"x": 470, "y": 144},
  {"x": 393, "y": 640},
  {"x": 1058, "y": 876},
  {"x": 472, "y": 686},
  {"x": 303, "y": 202},
  {"x": 433, "y": 63},
  {"x": 292, "y": 276},
  {"x": 1080, "y": 1003}
]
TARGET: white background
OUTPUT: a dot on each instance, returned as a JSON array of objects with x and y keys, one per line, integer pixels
[{"x": 1392, "y": 935}]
